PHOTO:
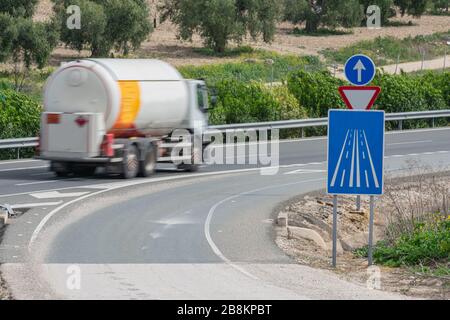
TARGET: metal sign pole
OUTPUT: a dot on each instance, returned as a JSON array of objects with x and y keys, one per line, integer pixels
[
  {"x": 371, "y": 221},
  {"x": 335, "y": 204},
  {"x": 358, "y": 203}
]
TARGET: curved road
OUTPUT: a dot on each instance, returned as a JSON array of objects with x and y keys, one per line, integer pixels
[{"x": 208, "y": 235}]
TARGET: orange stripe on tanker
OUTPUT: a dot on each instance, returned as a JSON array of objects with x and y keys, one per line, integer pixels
[{"x": 130, "y": 104}]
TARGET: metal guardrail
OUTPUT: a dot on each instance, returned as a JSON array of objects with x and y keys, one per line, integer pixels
[
  {"x": 18, "y": 143},
  {"x": 288, "y": 124},
  {"x": 322, "y": 122}
]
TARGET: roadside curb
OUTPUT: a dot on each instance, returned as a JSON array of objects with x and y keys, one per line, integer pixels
[{"x": 305, "y": 233}]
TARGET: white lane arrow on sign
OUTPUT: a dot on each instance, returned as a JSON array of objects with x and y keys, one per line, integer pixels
[
  {"x": 359, "y": 67},
  {"x": 359, "y": 98}
]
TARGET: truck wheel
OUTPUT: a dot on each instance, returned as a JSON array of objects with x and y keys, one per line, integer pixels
[
  {"x": 61, "y": 169},
  {"x": 130, "y": 165},
  {"x": 193, "y": 166},
  {"x": 148, "y": 166}
]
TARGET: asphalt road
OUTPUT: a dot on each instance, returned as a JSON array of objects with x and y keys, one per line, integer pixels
[{"x": 177, "y": 235}]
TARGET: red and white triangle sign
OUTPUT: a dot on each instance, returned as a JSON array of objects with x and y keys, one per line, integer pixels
[{"x": 359, "y": 98}]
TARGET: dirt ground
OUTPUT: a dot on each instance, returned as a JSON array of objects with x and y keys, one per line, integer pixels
[
  {"x": 314, "y": 211},
  {"x": 163, "y": 42}
]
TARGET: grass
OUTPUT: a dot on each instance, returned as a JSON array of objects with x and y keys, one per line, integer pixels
[
  {"x": 229, "y": 52},
  {"x": 255, "y": 65},
  {"x": 321, "y": 32},
  {"x": 386, "y": 50}
]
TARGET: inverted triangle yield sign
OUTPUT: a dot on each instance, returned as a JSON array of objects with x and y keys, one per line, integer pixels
[{"x": 359, "y": 98}]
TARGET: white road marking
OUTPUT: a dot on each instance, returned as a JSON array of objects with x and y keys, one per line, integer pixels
[
  {"x": 303, "y": 171},
  {"x": 18, "y": 161},
  {"x": 21, "y": 169},
  {"x": 409, "y": 142},
  {"x": 56, "y": 194},
  {"x": 211, "y": 212},
  {"x": 35, "y": 205},
  {"x": 128, "y": 184},
  {"x": 36, "y": 182}
]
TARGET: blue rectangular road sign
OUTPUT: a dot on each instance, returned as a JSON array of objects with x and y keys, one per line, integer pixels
[{"x": 356, "y": 152}]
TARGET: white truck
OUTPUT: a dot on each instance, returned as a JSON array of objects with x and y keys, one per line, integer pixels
[{"x": 124, "y": 115}]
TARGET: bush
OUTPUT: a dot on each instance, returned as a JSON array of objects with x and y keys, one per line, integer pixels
[
  {"x": 240, "y": 102},
  {"x": 19, "y": 118},
  {"x": 429, "y": 243},
  {"x": 317, "y": 92},
  {"x": 407, "y": 93}
]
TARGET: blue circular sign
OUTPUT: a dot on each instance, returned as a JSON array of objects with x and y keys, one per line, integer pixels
[{"x": 360, "y": 70}]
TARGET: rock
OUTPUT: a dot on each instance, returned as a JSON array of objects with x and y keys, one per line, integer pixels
[
  {"x": 282, "y": 219},
  {"x": 309, "y": 234}
]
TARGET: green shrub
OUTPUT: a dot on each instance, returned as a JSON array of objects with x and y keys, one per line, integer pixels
[
  {"x": 407, "y": 93},
  {"x": 427, "y": 244},
  {"x": 317, "y": 92},
  {"x": 240, "y": 102},
  {"x": 19, "y": 118}
]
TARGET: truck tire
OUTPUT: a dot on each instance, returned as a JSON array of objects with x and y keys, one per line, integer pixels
[
  {"x": 130, "y": 164},
  {"x": 193, "y": 166},
  {"x": 61, "y": 169},
  {"x": 148, "y": 166}
]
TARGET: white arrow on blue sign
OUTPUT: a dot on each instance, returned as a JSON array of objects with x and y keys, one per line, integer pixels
[
  {"x": 360, "y": 70},
  {"x": 355, "y": 152}
]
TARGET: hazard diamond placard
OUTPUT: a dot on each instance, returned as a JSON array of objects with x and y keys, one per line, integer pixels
[{"x": 359, "y": 98}]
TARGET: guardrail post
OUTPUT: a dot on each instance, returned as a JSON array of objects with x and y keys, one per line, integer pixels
[
  {"x": 400, "y": 125},
  {"x": 432, "y": 122}
]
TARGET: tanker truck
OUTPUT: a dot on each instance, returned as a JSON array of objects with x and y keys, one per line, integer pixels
[{"x": 123, "y": 115}]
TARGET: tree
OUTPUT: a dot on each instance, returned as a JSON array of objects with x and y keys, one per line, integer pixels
[
  {"x": 105, "y": 25},
  {"x": 441, "y": 5},
  {"x": 24, "y": 8},
  {"x": 220, "y": 21},
  {"x": 329, "y": 13},
  {"x": 25, "y": 43},
  {"x": 412, "y": 7},
  {"x": 128, "y": 23},
  {"x": 93, "y": 26}
]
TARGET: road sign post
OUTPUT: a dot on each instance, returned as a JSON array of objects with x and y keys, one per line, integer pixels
[
  {"x": 335, "y": 216},
  {"x": 371, "y": 222}
]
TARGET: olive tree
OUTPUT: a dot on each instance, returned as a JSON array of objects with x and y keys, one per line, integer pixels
[
  {"x": 24, "y": 8},
  {"x": 220, "y": 21},
  {"x": 105, "y": 25},
  {"x": 327, "y": 13},
  {"x": 23, "y": 42}
]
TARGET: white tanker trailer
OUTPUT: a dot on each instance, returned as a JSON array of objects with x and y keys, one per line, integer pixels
[{"x": 124, "y": 115}]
